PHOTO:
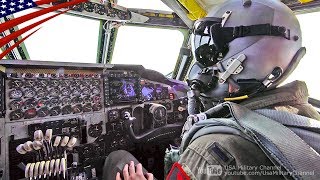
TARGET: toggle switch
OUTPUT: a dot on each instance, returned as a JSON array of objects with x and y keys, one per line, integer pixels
[
  {"x": 64, "y": 141},
  {"x": 26, "y": 171},
  {"x": 37, "y": 145},
  {"x": 20, "y": 149},
  {"x": 46, "y": 169},
  {"x": 38, "y": 135},
  {"x": 28, "y": 146},
  {"x": 36, "y": 170},
  {"x": 41, "y": 168},
  {"x": 57, "y": 141},
  {"x": 72, "y": 142},
  {"x": 63, "y": 168},
  {"x": 57, "y": 167},
  {"x": 48, "y": 135},
  {"x": 31, "y": 169},
  {"x": 52, "y": 163}
]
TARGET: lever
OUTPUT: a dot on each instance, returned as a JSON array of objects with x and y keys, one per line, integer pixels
[{"x": 20, "y": 149}]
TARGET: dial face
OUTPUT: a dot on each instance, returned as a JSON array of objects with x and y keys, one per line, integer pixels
[
  {"x": 16, "y": 104},
  {"x": 96, "y": 82},
  {"x": 97, "y": 107},
  {"x": 42, "y": 93},
  {"x": 87, "y": 107},
  {"x": 43, "y": 102},
  {"x": 16, "y": 94},
  {"x": 88, "y": 6},
  {"x": 55, "y": 92},
  {"x": 86, "y": 91},
  {"x": 30, "y": 103},
  {"x": 96, "y": 90},
  {"x": 54, "y": 102},
  {"x": 65, "y": 92},
  {"x": 113, "y": 115},
  {"x": 96, "y": 99},
  {"x": 87, "y": 99},
  {"x": 43, "y": 112},
  {"x": 76, "y": 100},
  {"x": 55, "y": 111},
  {"x": 43, "y": 83},
  {"x": 67, "y": 110},
  {"x": 15, "y": 83},
  {"x": 55, "y": 82},
  {"x": 66, "y": 101},
  {"x": 160, "y": 113},
  {"x": 29, "y": 93},
  {"x": 100, "y": 9},
  {"x": 77, "y": 82},
  {"x": 77, "y": 109},
  {"x": 76, "y": 91},
  {"x": 16, "y": 115},
  {"x": 95, "y": 130},
  {"x": 86, "y": 82},
  {"x": 66, "y": 83},
  {"x": 30, "y": 113},
  {"x": 30, "y": 83}
]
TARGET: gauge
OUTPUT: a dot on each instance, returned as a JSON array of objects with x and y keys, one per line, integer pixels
[
  {"x": 54, "y": 82},
  {"x": 66, "y": 83},
  {"x": 67, "y": 110},
  {"x": 43, "y": 102},
  {"x": 55, "y": 92},
  {"x": 77, "y": 109},
  {"x": 95, "y": 130},
  {"x": 29, "y": 93},
  {"x": 42, "y": 93},
  {"x": 66, "y": 101},
  {"x": 124, "y": 15},
  {"x": 16, "y": 115},
  {"x": 65, "y": 92},
  {"x": 77, "y": 82},
  {"x": 16, "y": 94},
  {"x": 43, "y": 112},
  {"x": 76, "y": 100},
  {"x": 113, "y": 115},
  {"x": 159, "y": 112},
  {"x": 15, "y": 83},
  {"x": 86, "y": 82},
  {"x": 97, "y": 107},
  {"x": 88, "y": 6},
  {"x": 30, "y": 103},
  {"x": 125, "y": 113},
  {"x": 100, "y": 9},
  {"x": 87, "y": 107},
  {"x": 42, "y": 83},
  {"x": 55, "y": 111},
  {"x": 87, "y": 99},
  {"x": 16, "y": 104},
  {"x": 96, "y": 90},
  {"x": 76, "y": 91},
  {"x": 54, "y": 102},
  {"x": 86, "y": 91},
  {"x": 30, "y": 113},
  {"x": 96, "y": 82},
  {"x": 96, "y": 99},
  {"x": 30, "y": 83}
]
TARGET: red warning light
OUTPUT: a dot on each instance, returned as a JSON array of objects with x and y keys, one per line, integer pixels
[{"x": 171, "y": 96}]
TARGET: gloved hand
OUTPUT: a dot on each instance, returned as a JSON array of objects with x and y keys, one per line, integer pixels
[{"x": 130, "y": 172}]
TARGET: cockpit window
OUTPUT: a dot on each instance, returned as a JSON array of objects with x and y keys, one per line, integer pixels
[
  {"x": 144, "y": 4},
  {"x": 154, "y": 48},
  {"x": 65, "y": 38},
  {"x": 308, "y": 69}
]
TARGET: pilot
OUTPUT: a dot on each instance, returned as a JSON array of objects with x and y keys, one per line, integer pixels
[{"x": 244, "y": 49}]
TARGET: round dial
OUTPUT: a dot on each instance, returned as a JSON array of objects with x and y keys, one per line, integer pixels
[
  {"x": 113, "y": 115},
  {"x": 87, "y": 99},
  {"x": 86, "y": 82},
  {"x": 159, "y": 113},
  {"x": 16, "y": 94},
  {"x": 54, "y": 102},
  {"x": 16, "y": 104},
  {"x": 100, "y": 9},
  {"x": 76, "y": 91},
  {"x": 77, "y": 82},
  {"x": 30, "y": 83},
  {"x": 95, "y": 130},
  {"x": 96, "y": 82},
  {"x": 66, "y": 101},
  {"x": 55, "y": 92},
  {"x": 54, "y": 82},
  {"x": 29, "y": 93},
  {"x": 66, "y": 83},
  {"x": 30, "y": 103},
  {"x": 76, "y": 100},
  {"x": 43, "y": 83},
  {"x": 30, "y": 113},
  {"x": 16, "y": 115},
  {"x": 43, "y": 102},
  {"x": 96, "y": 90},
  {"x": 88, "y": 6},
  {"x": 125, "y": 113},
  {"x": 15, "y": 83},
  {"x": 42, "y": 93},
  {"x": 96, "y": 99},
  {"x": 77, "y": 109},
  {"x": 67, "y": 110},
  {"x": 86, "y": 91},
  {"x": 65, "y": 92},
  {"x": 87, "y": 107},
  {"x": 55, "y": 111},
  {"x": 97, "y": 107},
  {"x": 43, "y": 112}
]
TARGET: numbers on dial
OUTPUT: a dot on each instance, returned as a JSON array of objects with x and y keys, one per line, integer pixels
[
  {"x": 77, "y": 109},
  {"x": 54, "y": 102},
  {"x": 96, "y": 90},
  {"x": 65, "y": 92},
  {"x": 30, "y": 103},
  {"x": 66, "y": 83},
  {"x": 16, "y": 104},
  {"x": 15, "y": 83},
  {"x": 42, "y": 93},
  {"x": 30, "y": 83},
  {"x": 55, "y": 92},
  {"x": 16, "y": 94},
  {"x": 16, "y": 115},
  {"x": 66, "y": 101},
  {"x": 55, "y": 82},
  {"x": 86, "y": 91},
  {"x": 76, "y": 91},
  {"x": 29, "y": 93},
  {"x": 43, "y": 83},
  {"x": 55, "y": 111},
  {"x": 43, "y": 112},
  {"x": 96, "y": 82}
]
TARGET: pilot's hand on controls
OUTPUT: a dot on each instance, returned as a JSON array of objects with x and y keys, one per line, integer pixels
[{"x": 130, "y": 172}]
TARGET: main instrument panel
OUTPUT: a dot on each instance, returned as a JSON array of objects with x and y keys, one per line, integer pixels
[{"x": 57, "y": 119}]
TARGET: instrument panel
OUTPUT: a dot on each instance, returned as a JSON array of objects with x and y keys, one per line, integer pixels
[{"x": 72, "y": 115}]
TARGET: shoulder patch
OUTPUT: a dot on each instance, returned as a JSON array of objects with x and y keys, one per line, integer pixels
[
  {"x": 177, "y": 173},
  {"x": 220, "y": 154}
]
